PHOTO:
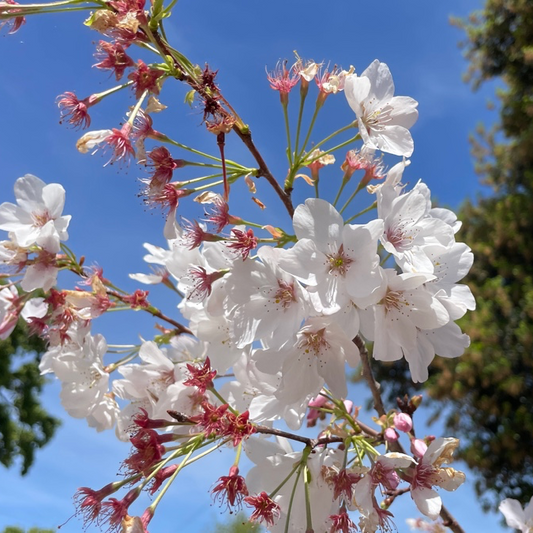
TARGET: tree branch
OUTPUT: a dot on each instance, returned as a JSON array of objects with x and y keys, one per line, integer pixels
[
  {"x": 369, "y": 376},
  {"x": 447, "y": 517},
  {"x": 246, "y": 138}
]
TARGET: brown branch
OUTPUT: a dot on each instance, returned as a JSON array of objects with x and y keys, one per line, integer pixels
[
  {"x": 393, "y": 494},
  {"x": 369, "y": 376},
  {"x": 243, "y": 133},
  {"x": 156, "y": 313},
  {"x": 246, "y": 138},
  {"x": 368, "y": 430},
  {"x": 447, "y": 517},
  {"x": 306, "y": 440},
  {"x": 449, "y": 521}
]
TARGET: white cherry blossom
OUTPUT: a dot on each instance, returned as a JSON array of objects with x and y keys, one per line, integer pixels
[
  {"x": 515, "y": 516},
  {"x": 269, "y": 304},
  {"x": 317, "y": 355},
  {"x": 36, "y": 219},
  {"x": 274, "y": 461},
  {"x": 408, "y": 226},
  {"x": 406, "y": 307},
  {"x": 429, "y": 473},
  {"x": 338, "y": 262},
  {"x": 384, "y": 120}
]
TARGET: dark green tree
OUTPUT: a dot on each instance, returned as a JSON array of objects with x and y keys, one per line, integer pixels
[
  {"x": 238, "y": 524},
  {"x": 25, "y": 426},
  {"x": 489, "y": 389},
  {"x": 13, "y": 529}
]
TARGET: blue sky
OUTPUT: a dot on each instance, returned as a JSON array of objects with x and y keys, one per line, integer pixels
[{"x": 51, "y": 55}]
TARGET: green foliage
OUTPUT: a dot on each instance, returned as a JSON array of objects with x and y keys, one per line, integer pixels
[
  {"x": 24, "y": 425},
  {"x": 238, "y": 524},
  {"x": 489, "y": 389},
  {"x": 12, "y": 529}
]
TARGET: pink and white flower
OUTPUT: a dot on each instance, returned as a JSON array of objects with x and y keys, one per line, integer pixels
[
  {"x": 517, "y": 517},
  {"x": 338, "y": 262},
  {"x": 429, "y": 473},
  {"x": 384, "y": 120},
  {"x": 36, "y": 219}
]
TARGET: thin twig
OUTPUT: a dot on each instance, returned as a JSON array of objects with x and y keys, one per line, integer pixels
[
  {"x": 155, "y": 312},
  {"x": 369, "y": 376},
  {"x": 448, "y": 519},
  {"x": 246, "y": 138},
  {"x": 306, "y": 440}
]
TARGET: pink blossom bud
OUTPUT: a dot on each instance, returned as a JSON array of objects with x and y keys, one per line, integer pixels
[
  {"x": 314, "y": 414},
  {"x": 403, "y": 422},
  {"x": 418, "y": 448},
  {"x": 319, "y": 401},
  {"x": 348, "y": 405},
  {"x": 391, "y": 435}
]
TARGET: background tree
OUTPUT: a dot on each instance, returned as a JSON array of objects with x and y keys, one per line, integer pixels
[
  {"x": 489, "y": 389},
  {"x": 25, "y": 425},
  {"x": 238, "y": 524},
  {"x": 14, "y": 529}
]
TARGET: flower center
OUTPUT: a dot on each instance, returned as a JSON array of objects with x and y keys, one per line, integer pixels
[
  {"x": 339, "y": 262},
  {"x": 379, "y": 117},
  {"x": 40, "y": 218},
  {"x": 424, "y": 476},
  {"x": 394, "y": 300},
  {"x": 285, "y": 294},
  {"x": 314, "y": 341}
]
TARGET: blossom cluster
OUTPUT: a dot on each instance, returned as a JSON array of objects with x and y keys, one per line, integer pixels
[{"x": 273, "y": 316}]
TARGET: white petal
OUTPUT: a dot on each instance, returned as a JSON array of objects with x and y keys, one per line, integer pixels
[
  {"x": 513, "y": 512},
  {"x": 320, "y": 221},
  {"x": 427, "y": 501},
  {"x": 54, "y": 199},
  {"x": 356, "y": 89},
  {"x": 381, "y": 79}
]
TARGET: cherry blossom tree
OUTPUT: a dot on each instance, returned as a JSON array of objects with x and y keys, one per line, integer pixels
[{"x": 267, "y": 318}]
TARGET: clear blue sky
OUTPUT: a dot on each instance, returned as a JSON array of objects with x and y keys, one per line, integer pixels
[{"x": 50, "y": 55}]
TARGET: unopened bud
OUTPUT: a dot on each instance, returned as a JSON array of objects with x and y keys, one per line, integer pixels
[
  {"x": 403, "y": 422},
  {"x": 391, "y": 435},
  {"x": 415, "y": 402},
  {"x": 418, "y": 448},
  {"x": 348, "y": 405}
]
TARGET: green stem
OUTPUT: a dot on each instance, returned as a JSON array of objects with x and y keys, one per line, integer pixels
[
  {"x": 279, "y": 487},
  {"x": 331, "y": 150},
  {"x": 288, "y": 132},
  {"x": 238, "y": 455},
  {"x": 113, "y": 366},
  {"x": 311, "y": 126},
  {"x": 231, "y": 179},
  {"x": 138, "y": 105},
  {"x": 334, "y": 134},
  {"x": 201, "y": 178},
  {"x": 163, "y": 138},
  {"x": 113, "y": 90},
  {"x": 369, "y": 208},
  {"x": 170, "y": 6},
  {"x": 308, "y": 516},
  {"x": 385, "y": 259},
  {"x": 220, "y": 398},
  {"x": 341, "y": 188},
  {"x": 171, "y": 479},
  {"x": 207, "y": 165},
  {"x": 293, "y": 492},
  {"x": 253, "y": 225},
  {"x": 348, "y": 202},
  {"x": 300, "y": 116},
  {"x": 29, "y": 12}
]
